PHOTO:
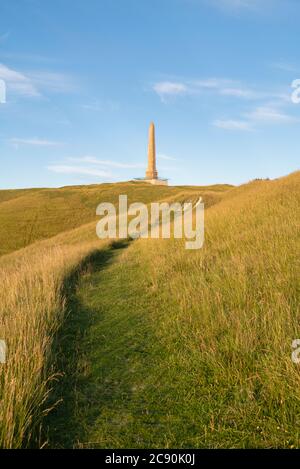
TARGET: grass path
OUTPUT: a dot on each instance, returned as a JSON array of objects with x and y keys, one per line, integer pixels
[
  {"x": 108, "y": 352},
  {"x": 122, "y": 387},
  {"x": 132, "y": 379}
]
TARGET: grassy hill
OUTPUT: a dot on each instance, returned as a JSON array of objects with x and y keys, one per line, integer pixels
[
  {"x": 32, "y": 214},
  {"x": 159, "y": 346}
]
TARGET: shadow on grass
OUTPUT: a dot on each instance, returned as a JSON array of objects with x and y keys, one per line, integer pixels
[{"x": 64, "y": 425}]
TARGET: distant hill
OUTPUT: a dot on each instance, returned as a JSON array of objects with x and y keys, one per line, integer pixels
[{"x": 28, "y": 215}]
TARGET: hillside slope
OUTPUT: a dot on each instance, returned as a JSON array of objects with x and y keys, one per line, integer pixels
[
  {"x": 32, "y": 214},
  {"x": 190, "y": 349},
  {"x": 159, "y": 346}
]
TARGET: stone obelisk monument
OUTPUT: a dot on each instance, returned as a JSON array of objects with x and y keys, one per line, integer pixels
[{"x": 151, "y": 172}]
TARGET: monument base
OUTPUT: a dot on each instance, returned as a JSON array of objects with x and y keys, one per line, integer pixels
[{"x": 154, "y": 182}]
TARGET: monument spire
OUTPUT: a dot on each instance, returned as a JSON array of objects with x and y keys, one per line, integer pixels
[{"x": 151, "y": 172}]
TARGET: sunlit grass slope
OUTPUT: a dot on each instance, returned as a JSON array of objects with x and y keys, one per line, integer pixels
[
  {"x": 32, "y": 309},
  {"x": 34, "y": 285},
  {"x": 31, "y": 214},
  {"x": 226, "y": 319},
  {"x": 191, "y": 348},
  {"x": 160, "y": 346}
]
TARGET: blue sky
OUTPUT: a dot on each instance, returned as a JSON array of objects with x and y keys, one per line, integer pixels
[{"x": 84, "y": 78}]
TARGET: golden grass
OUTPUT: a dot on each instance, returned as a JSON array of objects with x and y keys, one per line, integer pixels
[
  {"x": 232, "y": 309},
  {"x": 30, "y": 215},
  {"x": 32, "y": 307}
]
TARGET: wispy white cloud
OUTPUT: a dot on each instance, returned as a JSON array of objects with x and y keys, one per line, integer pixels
[
  {"x": 233, "y": 125},
  {"x": 92, "y": 107},
  {"x": 162, "y": 156},
  {"x": 104, "y": 106},
  {"x": 68, "y": 169},
  {"x": 90, "y": 165},
  {"x": 108, "y": 163},
  {"x": 270, "y": 115},
  {"x": 210, "y": 83},
  {"x": 167, "y": 88},
  {"x": 239, "y": 93},
  {"x": 226, "y": 87},
  {"x": 33, "y": 141},
  {"x": 34, "y": 83},
  {"x": 52, "y": 81},
  {"x": 218, "y": 86},
  {"x": 18, "y": 82},
  {"x": 269, "y": 102},
  {"x": 257, "y": 117}
]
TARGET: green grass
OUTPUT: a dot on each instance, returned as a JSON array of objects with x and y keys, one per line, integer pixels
[
  {"x": 28, "y": 215},
  {"x": 119, "y": 390},
  {"x": 170, "y": 348},
  {"x": 157, "y": 346}
]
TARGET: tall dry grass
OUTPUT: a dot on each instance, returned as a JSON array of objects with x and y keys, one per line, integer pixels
[
  {"x": 229, "y": 312},
  {"x": 32, "y": 307},
  {"x": 224, "y": 316}
]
